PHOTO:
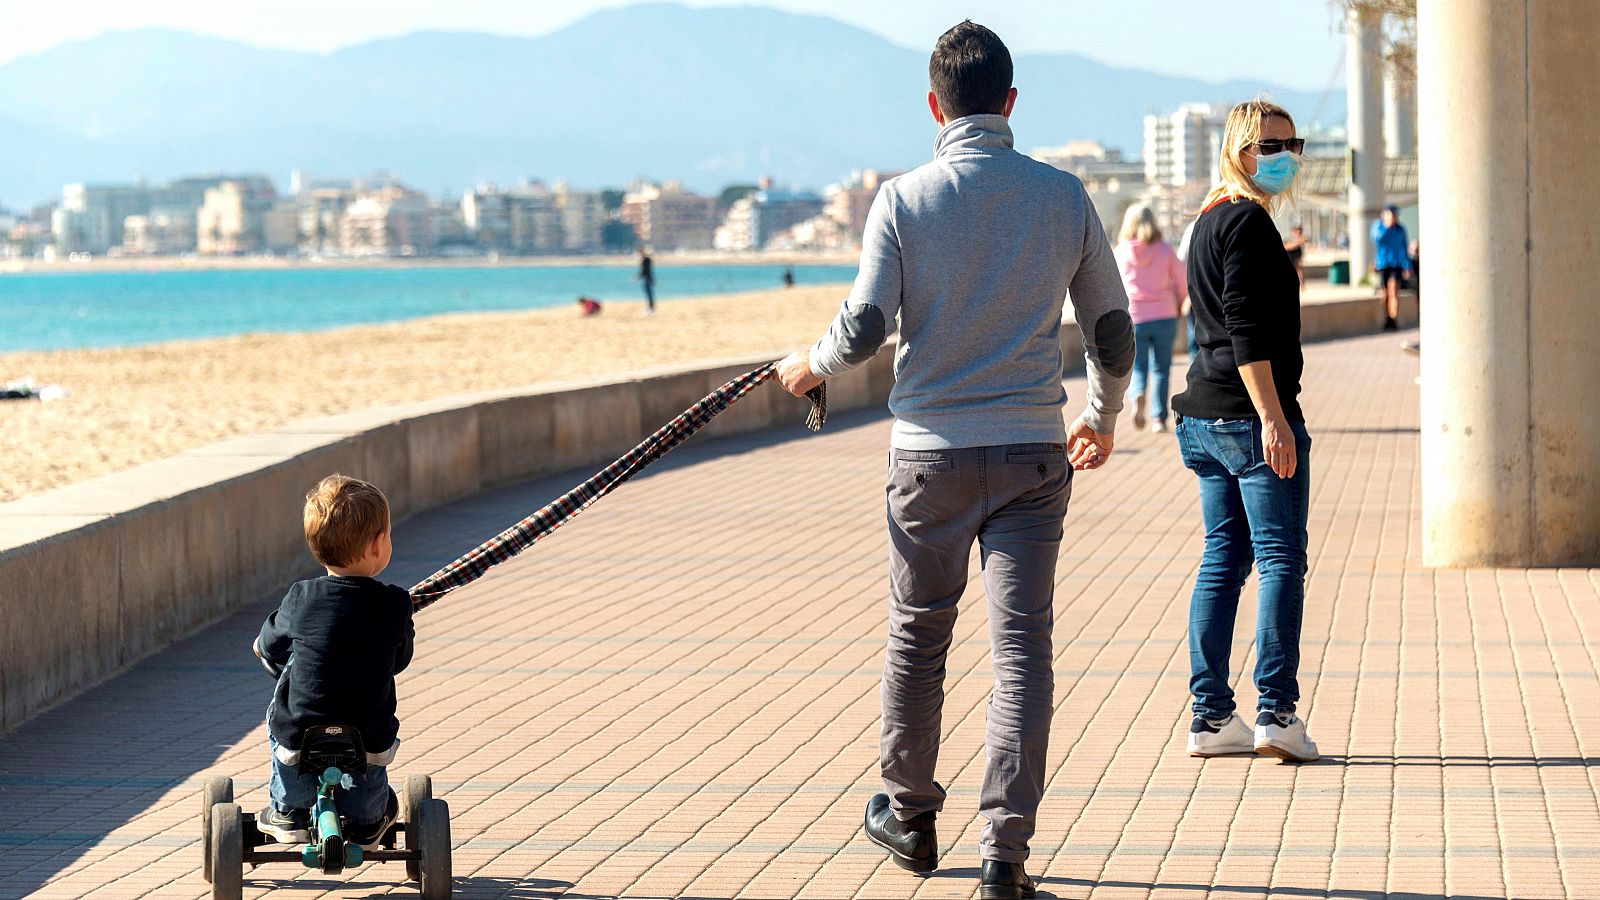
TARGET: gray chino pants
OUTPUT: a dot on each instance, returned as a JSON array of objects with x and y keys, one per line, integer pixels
[{"x": 1011, "y": 499}]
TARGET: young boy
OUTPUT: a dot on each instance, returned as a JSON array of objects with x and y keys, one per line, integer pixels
[{"x": 339, "y": 640}]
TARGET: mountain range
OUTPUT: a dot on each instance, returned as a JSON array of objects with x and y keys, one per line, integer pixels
[{"x": 709, "y": 95}]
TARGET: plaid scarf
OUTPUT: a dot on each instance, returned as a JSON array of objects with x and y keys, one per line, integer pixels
[{"x": 524, "y": 534}]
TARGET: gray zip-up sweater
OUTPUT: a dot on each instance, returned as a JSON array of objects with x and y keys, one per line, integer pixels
[{"x": 974, "y": 253}]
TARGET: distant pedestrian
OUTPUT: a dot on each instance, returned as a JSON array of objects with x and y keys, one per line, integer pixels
[
  {"x": 1241, "y": 430},
  {"x": 1188, "y": 307},
  {"x": 1296, "y": 245},
  {"x": 647, "y": 276},
  {"x": 590, "y": 306},
  {"x": 788, "y": 277},
  {"x": 970, "y": 255},
  {"x": 1156, "y": 283},
  {"x": 1392, "y": 262}
]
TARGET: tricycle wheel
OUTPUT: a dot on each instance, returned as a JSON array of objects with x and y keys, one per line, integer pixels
[
  {"x": 214, "y": 791},
  {"x": 418, "y": 790},
  {"x": 433, "y": 847},
  {"x": 227, "y": 852}
]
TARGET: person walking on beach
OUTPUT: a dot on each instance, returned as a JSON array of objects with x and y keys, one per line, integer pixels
[
  {"x": 1242, "y": 432},
  {"x": 979, "y": 449},
  {"x": 1392, "y": 262},
  {"x": 647, "y": 277},
  {"x": 1156, "y": 283}
]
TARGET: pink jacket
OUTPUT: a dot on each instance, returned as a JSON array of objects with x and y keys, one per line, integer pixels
[{"x": 1154, "y": 278}]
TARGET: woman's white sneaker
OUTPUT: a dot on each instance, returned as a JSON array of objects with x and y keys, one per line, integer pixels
[
  {"x": 1284, "y": 735},
  {"x": 1220, "y": 737}
]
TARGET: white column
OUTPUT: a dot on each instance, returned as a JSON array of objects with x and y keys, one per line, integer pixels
[
  {"x": 1364, "y": 123},
  {"x": 1399, "y": 113},
  {"x": 1510, "y": 198}
]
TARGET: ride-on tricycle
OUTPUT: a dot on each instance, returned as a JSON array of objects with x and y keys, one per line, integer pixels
[{"x": 230, "y": 837}]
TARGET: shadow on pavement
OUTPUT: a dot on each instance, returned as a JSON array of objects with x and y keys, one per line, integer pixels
[
  {"x": 1537, "y": 762},
  {"x": 470, "y": 888},
  {"x": 1071, "y": 888},
  {"x": 1223, "y": 890}
]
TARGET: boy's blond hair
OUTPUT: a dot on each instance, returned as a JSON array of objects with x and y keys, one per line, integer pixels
[{"x": 343, "y": 516}]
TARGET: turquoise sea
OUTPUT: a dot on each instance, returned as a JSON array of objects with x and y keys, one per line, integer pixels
[{"x": 46, "y": 311}]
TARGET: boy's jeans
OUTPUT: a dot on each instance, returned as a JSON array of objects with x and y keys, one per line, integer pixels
[
  {"x": 1251, "y": 515},
  {"x": 1152, "y": 353},
  {"x": 363, "y": 804}
]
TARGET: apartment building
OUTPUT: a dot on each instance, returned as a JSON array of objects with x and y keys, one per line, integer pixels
[{"x": 667, "y": 217}]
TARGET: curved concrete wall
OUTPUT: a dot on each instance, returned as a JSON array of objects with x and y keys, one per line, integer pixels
[{"x": 97, "y": 575}]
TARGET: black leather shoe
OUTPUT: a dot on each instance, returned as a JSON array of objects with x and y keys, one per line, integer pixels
[
  {"x": 1004, "y": 881},
  {"x": 912, "y": 845}
]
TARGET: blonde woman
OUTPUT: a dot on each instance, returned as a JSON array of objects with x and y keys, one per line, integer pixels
[
  {"x": 1241, "y": 430},
  {"x": 1156, "y": 283}
]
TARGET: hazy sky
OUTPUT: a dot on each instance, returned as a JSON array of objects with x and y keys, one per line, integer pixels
[{"x": 1291, "y": 42}]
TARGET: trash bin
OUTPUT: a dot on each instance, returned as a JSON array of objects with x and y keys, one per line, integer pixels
[{"x": 1339, "y": 271}]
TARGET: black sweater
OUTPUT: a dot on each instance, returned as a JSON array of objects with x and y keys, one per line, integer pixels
[
  {"x": 1246, "y": 301},
  {"x": 348, "y": 636}
]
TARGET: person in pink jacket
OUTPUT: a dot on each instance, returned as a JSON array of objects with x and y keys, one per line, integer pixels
[{"x": 1157, "y": 284}]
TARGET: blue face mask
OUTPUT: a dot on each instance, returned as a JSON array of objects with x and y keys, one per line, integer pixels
[{"x": 1276, "y": 171}]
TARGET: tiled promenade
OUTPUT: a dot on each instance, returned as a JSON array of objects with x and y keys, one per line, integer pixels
[{"x": 676, "y": 696}]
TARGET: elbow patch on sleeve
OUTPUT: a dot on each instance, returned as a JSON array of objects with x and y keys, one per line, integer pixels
[
  {"x": 862, "y": 331},
  {"x": 1113, "y": 342}
]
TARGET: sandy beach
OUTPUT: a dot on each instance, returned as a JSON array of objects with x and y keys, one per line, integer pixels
[{"x": 136, "y": 404}]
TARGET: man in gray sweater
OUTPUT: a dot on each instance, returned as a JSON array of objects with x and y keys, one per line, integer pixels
[{"x": 972, "y": 255}]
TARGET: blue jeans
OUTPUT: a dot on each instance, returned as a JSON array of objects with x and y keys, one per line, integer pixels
[
  {"x": 1152, "y": 354},
  {"x": 1194, "y": 342},
  {"x": 1251, "y": 516},
  {"x": 364, "y": 803}
]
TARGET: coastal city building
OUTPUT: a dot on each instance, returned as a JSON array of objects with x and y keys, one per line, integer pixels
[
  {"x": 91, "y": 216},
  {"x": 755, "y": 220},
  {"x": 158, "y": 234},
  {"x": 231, "y": 215},
  {"x": 1181, "y": 147},
  {"x": 320, "y": 210},
  {"x": 849, "y": 203},
  {"x": 583, "y": 218},
  {"x": 532, "y": 219},
  {"x": 1112, "y": 182},
  {"x": 843, "y": 219},
  {"x": 232, "y": 218},
  {"x": 391, "y": 221},
  {"x": 1090, "y": 160},
  {"x": 667, "y": 217},
  {"x": 28, "y": 235}
]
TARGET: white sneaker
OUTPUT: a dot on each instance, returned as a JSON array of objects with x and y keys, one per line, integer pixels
[
  {"x": 1138, "y": 412},
  {"x": 1220, "y": 737},
  {"x": 1284, "y": 735}
]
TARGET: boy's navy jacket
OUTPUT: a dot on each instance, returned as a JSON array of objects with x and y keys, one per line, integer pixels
[{"x": 348, "y": 637}]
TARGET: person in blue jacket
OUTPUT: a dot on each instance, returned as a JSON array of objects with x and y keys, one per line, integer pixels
[{"x": 1392, "y": 262}]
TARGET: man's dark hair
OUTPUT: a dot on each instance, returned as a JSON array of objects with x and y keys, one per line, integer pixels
[{"x": 970, "y": 71}]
